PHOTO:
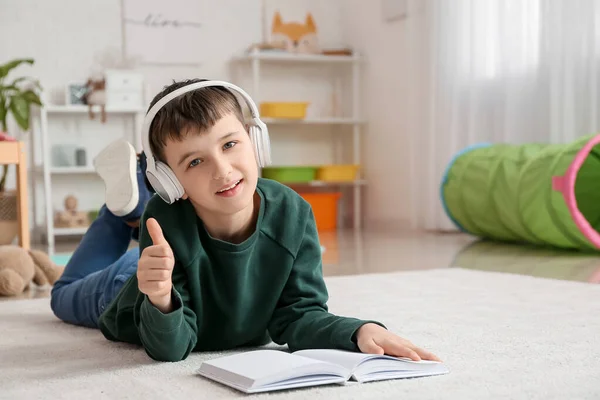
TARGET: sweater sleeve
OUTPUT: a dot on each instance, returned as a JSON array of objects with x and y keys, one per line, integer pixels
[
  {"x": 301, "y": 318},
  {"x": 171, "y": 336}
]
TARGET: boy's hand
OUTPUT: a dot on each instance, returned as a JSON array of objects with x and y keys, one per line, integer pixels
[
  {"x": 374, "y": 339},
  {"x": 155, "y": 268}
]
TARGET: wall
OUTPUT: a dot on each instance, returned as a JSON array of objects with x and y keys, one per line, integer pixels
[
  {"x": 66, "y": 38},
  {"x": 385, "y": 103}
]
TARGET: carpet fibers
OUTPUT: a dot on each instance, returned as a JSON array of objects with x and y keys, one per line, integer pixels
[{"x": 502, "y": 336}]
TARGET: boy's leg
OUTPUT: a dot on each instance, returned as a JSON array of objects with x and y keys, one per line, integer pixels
[
  {"x": 100, "y": 261},
  {"x": 124, "y": 180},
  {"x": 81, "y": 302},
  {"x": 99, "y": 258}
]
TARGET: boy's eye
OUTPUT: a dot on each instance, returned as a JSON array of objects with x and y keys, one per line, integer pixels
[
  {"x": 194, "y": 162},
  {"x": 228, "y": 145}
]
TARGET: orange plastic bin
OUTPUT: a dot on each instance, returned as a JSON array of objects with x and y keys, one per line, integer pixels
[{"x": 325, "y": 209}]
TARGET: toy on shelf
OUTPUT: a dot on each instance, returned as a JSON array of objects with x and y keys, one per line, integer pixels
[
  {"x": 70, "y": 217},
  {"x": 295, "y": 37},
  {"x": 96, "y": 96},
  {"x": 545, "y": 194}
]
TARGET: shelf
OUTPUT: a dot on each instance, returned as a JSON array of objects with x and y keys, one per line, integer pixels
[
  {"x": 72, "y": 170},
  {"x": 62, "y": 109},
  {"x": 70, "y": 231},
  {"x": 313, "y": 121},
  {"x": 291, "y": 57},
  {"x": 326, "y": 183},
  {"x": 68, "y": 170}
]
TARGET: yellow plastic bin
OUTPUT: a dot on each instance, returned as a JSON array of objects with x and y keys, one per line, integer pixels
[
  {"x": 288, "y": 110},
  {"x": 337, "y": 173}
]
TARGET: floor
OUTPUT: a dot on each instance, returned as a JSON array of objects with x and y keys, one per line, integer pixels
[{"x": 348, "y": 253}]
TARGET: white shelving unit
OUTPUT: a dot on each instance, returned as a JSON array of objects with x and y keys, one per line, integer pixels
[
  {"x": 48, "y": 171},
  {"x": 257, "y": 59}
]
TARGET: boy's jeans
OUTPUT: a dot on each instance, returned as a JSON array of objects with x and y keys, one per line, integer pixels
[
  {"x": 101, "y": 264},
  {"x": 96, "y": 271}
]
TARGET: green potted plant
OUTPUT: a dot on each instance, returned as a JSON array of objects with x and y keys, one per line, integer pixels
[{"x": 16, "y": 99}]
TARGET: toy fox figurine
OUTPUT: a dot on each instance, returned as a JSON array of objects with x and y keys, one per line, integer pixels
[{"x": 295, "y": 37}]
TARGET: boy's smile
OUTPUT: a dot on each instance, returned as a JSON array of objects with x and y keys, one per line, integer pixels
[{"x": 230, "y": 190}]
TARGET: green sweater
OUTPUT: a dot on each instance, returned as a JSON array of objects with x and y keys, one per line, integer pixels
[{"x": 270, "y": 287}]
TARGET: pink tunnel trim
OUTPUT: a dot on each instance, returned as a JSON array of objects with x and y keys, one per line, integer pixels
[
  {"x": 566, "y": 185},
  {"x": 558, "y": 183}
]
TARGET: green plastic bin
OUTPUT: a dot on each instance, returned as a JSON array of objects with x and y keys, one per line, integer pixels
[{"x": 293, "y": 174}]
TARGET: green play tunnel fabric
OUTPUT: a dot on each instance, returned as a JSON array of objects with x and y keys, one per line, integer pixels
[{"x": 545, "y": 194}]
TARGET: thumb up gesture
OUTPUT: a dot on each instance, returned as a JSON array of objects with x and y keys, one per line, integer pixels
[{"x": 155, "y": 268}]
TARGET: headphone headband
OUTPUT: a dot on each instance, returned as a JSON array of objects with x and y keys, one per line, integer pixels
[{"x": 178, "y": 92}]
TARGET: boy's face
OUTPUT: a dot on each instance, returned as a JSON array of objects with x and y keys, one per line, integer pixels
[{"x": 217, "y": 169}]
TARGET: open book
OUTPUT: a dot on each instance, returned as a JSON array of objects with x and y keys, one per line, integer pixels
[{"x": 268, "y": 370}]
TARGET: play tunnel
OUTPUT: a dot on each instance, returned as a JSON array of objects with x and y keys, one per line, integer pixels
[{"x": 544, "y": 194}]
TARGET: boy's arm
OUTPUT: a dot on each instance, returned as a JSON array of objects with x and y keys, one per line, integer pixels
[
  {"x": 301, "y": 318},
  {"x": 166, "y": 336}
]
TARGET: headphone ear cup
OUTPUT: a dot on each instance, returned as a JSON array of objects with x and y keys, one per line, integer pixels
[
  {"x": 254, "y": 137},
  {"x": 172, "y": 184},
  {"x": 165, "y": 183},
  {"x": 262, "y": 147}
]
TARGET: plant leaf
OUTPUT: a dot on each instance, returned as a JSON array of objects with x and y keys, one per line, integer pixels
[
  {"x": 3, "y": 111},
  {"x": 20, "y": 109},
  {"x": 9, "y": 87},
  {"x": 5, "y": 69},
  {"x": 37, "y": 84},
  {"x": 14, "y": 83},
  {"x": 30, "y": 81},
  {"x": 32, "y": 97}
]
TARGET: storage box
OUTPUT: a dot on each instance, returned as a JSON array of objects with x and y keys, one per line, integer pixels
[
  {"x": 289, "y": 110},
  {"x": 325, "y": 209},
  {"x": 124, "y": 99},
  {"x": 337, "y": 173},
  {"x": 290, "y": 174},
  {"x": 124, "y": 89},
  {"x": 124, "y": 81}
]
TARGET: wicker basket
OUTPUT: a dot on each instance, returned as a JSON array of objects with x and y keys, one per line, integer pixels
[{"x": 9, "y": 227}]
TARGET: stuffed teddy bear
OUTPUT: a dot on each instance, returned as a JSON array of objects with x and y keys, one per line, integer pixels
[{"x": 18, "y": 267}]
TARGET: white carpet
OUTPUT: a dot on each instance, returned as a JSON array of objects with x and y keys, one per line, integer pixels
[{"x": 502, "y": 336}]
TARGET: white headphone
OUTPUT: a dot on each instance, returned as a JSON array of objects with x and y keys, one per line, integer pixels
[{"x": 161, "y": 177}]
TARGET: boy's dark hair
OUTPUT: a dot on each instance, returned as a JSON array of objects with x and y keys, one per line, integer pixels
[{"x": 199, "y": 109}]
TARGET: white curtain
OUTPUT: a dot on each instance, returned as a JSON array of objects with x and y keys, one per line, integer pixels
[{"x": 510, "y": 71}]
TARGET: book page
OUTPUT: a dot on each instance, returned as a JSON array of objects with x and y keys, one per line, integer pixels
[
  {"x": 370, "y": 367},
  {"x": 348, "y": 359},
  {"x": 351, "y": 360}
]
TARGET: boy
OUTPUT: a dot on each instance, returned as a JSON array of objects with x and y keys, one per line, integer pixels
[{"x": 235, "y": 262}]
